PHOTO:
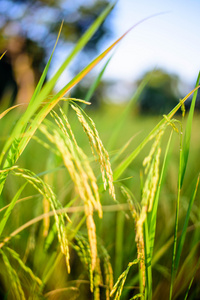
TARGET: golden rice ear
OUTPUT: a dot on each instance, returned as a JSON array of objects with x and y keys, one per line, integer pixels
[
  {"x": 91, "y": 232},
  {"x": 97, "y": 146},
  {"x": 78, "y": 166}
]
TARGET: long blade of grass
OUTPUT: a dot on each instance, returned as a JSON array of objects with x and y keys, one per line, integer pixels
[
  {"x": 123, "y": 166},
  {"x": 126, "y": 111},
  {"x": 96, "y": 83},
  {"x": 183, "y": 234},
  {"x": 50, "y": 105},
  {"x": 187, "y": 137}
]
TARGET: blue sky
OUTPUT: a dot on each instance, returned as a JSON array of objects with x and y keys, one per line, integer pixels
[{"x": 170, "y": 41}]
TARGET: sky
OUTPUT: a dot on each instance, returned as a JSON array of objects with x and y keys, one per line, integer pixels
[{"x": 170, "y": 40}]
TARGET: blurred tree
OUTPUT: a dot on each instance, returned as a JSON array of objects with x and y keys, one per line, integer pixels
[
  {"x": 160, "y": 94},
  {"x": 35, "y": 25}
]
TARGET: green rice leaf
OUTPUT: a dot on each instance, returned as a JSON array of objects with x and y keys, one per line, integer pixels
[
  {"x": 123, "y": 116},
  {"x": 184, "y": 230},
  {"x": 16, "y": 256},
  {"x": 187, "y": 137},
  {"x": 95, "y": 84}
]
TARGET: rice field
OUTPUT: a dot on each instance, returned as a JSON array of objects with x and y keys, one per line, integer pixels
[{"x": 94, "y": 209}]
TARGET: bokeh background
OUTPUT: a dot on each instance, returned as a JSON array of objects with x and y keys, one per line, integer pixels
[{"x": 165, "y": 46}]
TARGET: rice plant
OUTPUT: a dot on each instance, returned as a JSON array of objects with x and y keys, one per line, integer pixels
[{"x": 58, "y": 217}]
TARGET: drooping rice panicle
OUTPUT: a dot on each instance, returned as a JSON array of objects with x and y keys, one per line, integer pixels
[
  {"x": 80, "y": 171},
  {"x": 108, "y": 278},
  {"x": 78, "y": 174},
  {"x": 17, "y": 290},
  {"x": 97, "y": 145},
  {"x": 48, "y": 179},
  {"x": 148, "y": 159},
  {"x": 108, "y": 272},
  {"x": 71, "y": 134},
  {"x": 80, "y": 161},
  {"x": 45, "y": 190},
  {"x": 97, "y": 280},
  {"x": 84, "y": 252},
  {"x": 118, "y": 287},
  {"x": 46, "y": 222},
  {"x": 91, "y": 232},
  {"x": 151, "y": 181},
  {"x": 16, "y": 256}
]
